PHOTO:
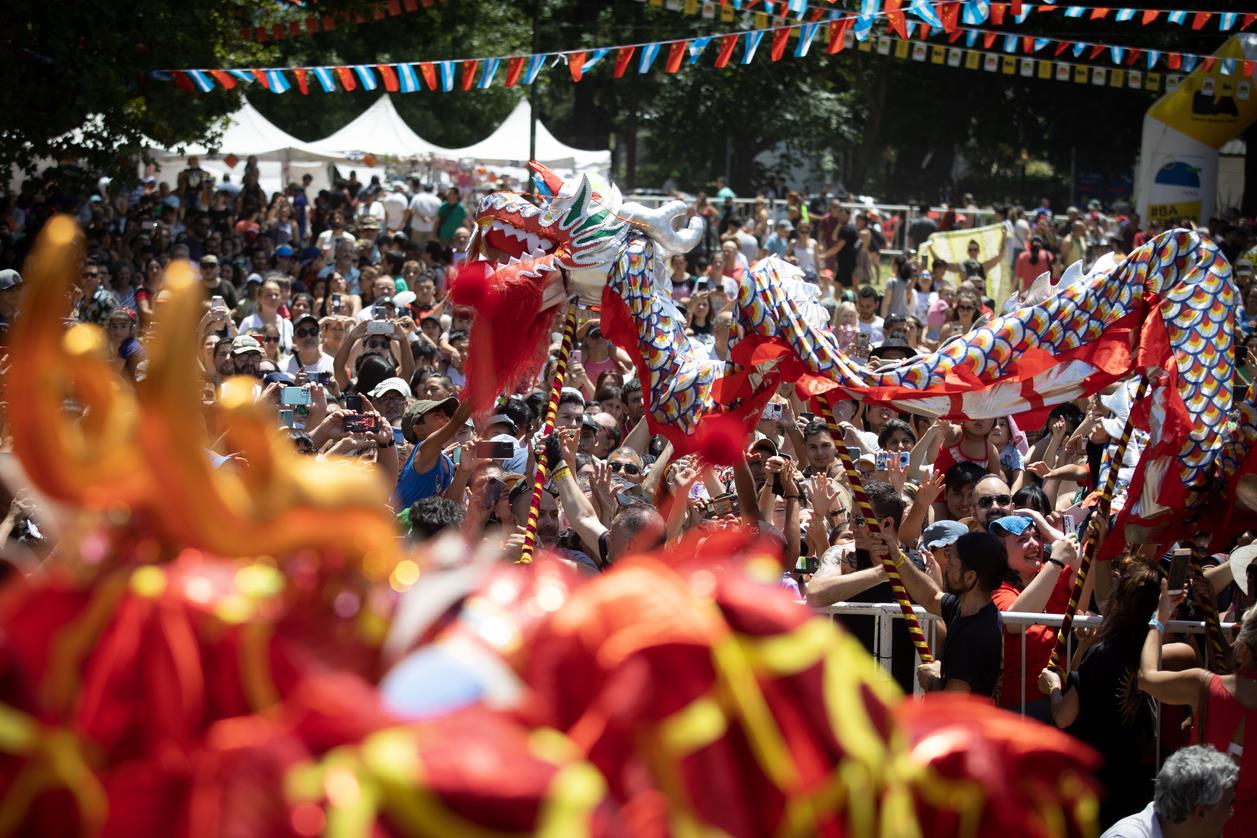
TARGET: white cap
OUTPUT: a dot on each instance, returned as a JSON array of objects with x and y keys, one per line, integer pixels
[
  {"x": 391, "y": 385},
  {"x": 1240, "y": 560}
]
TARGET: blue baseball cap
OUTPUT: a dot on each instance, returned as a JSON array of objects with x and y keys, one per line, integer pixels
[
  {"x": 942, "y": 533},
  {"x": 283, "y": 250},
  {"x": 1011, "y": 524}
]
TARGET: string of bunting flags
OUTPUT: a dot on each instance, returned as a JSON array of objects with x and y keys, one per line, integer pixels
[
  {"x": 757, "y": 14},
  {"x": 481, "y": 73}
]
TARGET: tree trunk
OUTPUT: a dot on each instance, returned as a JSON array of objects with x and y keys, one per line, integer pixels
[{"x": 868, "y": 147}]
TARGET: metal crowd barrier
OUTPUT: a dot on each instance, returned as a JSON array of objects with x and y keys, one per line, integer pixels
[{"x": 885, "y": 612}]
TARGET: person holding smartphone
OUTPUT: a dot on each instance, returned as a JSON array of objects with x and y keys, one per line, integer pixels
[
  {"x": 307, "y": 351},
  {"x": 430, "y": 426},
  {"x": 366, "y": 338}
]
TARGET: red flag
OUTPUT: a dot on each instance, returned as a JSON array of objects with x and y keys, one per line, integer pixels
[
  {"x": 949, "y": 13},
  {"x": 1248, "y": 67},
  {"x": 955, "y": 36},
  {"x": 303, "y": 84},
  {"x": 312, "y": 25},
  {"x": 988, "y": 38},
  {"x": 1134, "y": 56},
  {"x": 726, "y": 51},
  {"x": 675, "y": 56},
  {"x": 469, "y": 72},
  {"x": 429, "y": 74},
  {"x": 394, "y": 7},
  {"x": 780, "y": 37},
  {"x": 1248, "y": 21},
  {"x": 514, "y": 67},
  {"x": 1100, "y": 13},
  {"x": 389, "y": 76},
  {"x": 278, "y": 31},
  {"x": 377, "y": 14},
  {"x": 622, "y": 58},
  {"x": 294, "y": 29},
  {"x": 1200, "y": 19},
  {"x": 183, "y": 82},
  {"x": 894, "y": 19},
  {"x": 261, "y": 35},
  {"x": 998, "y": 10},
  {"x": 1061, "y": 46},
  {"x": 576, "y": 64},
  {"x": 1209, "y": 62},
  {"x": 226, "y": 79},
  {"x": 1174, "y": 61},
  {"x": 329, "y": 23},
  {"x": 346, "y": 77},
  {"x": 1027, "y": 44},
  {"x": 1016, "y": 8},
  {"x": 1149, "y": 16},
  {"x": 411, "y": 5},
  {"x": 262, "y": 79},
  {"x": 1096, "y": 50},
  {"x": 838, "y": 34}
]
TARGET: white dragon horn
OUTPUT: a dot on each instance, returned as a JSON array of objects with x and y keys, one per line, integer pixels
[{"x": 658, "y": 223}]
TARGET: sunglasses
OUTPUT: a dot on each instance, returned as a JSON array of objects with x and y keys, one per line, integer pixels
[
  {"x": 90, "y": 274},
  {"x": 308, "y": 333},
  {"x": 965, "y": 308},
  {"x": 627, "y": 468},
  {"x": 987, "y": 501},
  {"x": 377, "y": 344},
  {"x": 269, "y": 339}
]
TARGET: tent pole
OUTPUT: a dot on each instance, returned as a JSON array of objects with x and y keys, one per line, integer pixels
[{"x": 532, "y": 96}]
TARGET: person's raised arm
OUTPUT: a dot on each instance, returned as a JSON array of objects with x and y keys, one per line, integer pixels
[
  {"x": 921, "y": 587},
  {"x": 1034, "y": 598},
  {"x": 579, "y": 511},
  {"x": 639, "y": 437},
  {"x": 341, "y": 361},
  {"x": 744, "y": 483},
  {"x": 918, "y": 516},
  {"x": 431, "y": 448},
  {"x": 656, "y": 471},
  {"x": 405, "y": 355},
  {"x": 832, "y": 586},
  {"x": 790, "y": 486},
  {"x": 1186, "y": 687}
]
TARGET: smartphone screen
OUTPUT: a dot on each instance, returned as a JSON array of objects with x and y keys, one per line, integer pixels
[
  {"x": 488, "y": 450},
  {"x": 1177, "y": 580}
]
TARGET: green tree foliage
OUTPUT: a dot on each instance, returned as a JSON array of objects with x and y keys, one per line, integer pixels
[{"x": 85, "y": 65}]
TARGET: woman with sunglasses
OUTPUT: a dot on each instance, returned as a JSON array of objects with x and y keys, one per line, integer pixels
[
  {"x": 966, "y": 312},
  {"x": 267, "y": 314}
]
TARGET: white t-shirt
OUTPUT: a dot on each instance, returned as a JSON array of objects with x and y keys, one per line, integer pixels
[
  {"x": 324, "y": 241},
  {"x": 254, "y": 322},
  {"x": 749, "y": 245},
  {"x": 292, "y": 366},
  {"x": 873, "y": 329},
  {"x": 395, "y": 204},
  {"x": 423, "y": 210},
  {"x": 1142, "y": 824}
]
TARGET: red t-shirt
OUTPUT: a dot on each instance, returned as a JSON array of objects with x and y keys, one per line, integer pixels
[{"x": 1039, "y": 643}]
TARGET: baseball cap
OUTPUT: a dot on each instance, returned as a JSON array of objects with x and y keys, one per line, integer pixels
[
  {"x": 283, "y": 250},
  {"x": 245, "y": 343},
  {"x": 942, "y": 533},
  {"x": 403, "y": 299},
  {"x": 278, "y": 378},
  {"x": 1243, "y": 266},
  {"x": 254, "y": 279},
  {"x": 209, "y": 259},
  {"x": 415, "y": 411},
  {"x": 765, "y": 444},
  {"x": 303, "y": 318},
  {"x": 9, "y": 278},
  {"x": 391, "y": 385},
  {"x": 1010, "y": 524},
  {"x": 502, "y": 419}
]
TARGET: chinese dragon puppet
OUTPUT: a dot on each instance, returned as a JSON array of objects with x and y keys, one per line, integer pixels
[
  {"x": 205, "y": 653},
  {"x": 1166, "y": 311}
]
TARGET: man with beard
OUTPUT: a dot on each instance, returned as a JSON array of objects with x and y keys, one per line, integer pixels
[{"x": 973, "y": 567}]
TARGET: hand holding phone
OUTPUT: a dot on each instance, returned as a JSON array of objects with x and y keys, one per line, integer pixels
[{"x": 1177, "y": 577}]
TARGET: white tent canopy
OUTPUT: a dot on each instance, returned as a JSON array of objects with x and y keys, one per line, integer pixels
[
  {"x": 380, "y": 131},
  {"x": 281, "y": 156},
  {"x": 508, "y": 145}
]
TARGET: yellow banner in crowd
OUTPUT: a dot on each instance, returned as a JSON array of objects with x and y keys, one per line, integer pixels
[{"x": 953, "y": 247}]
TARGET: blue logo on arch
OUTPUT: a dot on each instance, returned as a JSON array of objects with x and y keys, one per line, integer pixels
[{"x": 1178, "y": 173}]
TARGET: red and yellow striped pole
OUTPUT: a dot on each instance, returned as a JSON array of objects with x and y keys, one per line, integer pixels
[
  {"x": 552, "y": 412},
  {"x": 1090, "y": 543},
  {"x": 871, "y": 521}
]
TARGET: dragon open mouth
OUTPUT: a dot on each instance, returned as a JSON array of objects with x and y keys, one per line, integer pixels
[{"x": 514, "y": 242}]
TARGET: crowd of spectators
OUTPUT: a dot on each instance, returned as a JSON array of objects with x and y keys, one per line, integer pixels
[{"x": 338, "y": 304}]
